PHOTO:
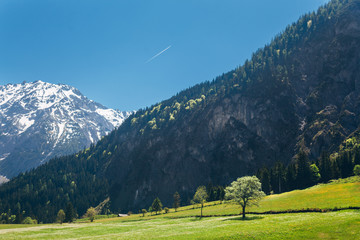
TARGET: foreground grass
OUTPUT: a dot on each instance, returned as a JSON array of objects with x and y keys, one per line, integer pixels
[
  {"x": 330, "y": 225},
  {"x": 184, "y": 225}
]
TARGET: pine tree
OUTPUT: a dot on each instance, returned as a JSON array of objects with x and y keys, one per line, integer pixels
[
  {"x": 303, "y": 172},
  {"x": 265, "y": 180},
  {"x": 357, "y": 156},
  {"x": 157, "y": 205},
  {"x": 325, "y": 167},
  {"x": 290, "y": 177},
  {"x": 69, "y": 213},
  {"x": 177, "y": 200}
]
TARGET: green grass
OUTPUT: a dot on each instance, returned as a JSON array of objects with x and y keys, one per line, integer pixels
[
  {"x": 183, "y": 225},
  {"x": 331, "y": 225},
  {"x": 341, "y": 194}
]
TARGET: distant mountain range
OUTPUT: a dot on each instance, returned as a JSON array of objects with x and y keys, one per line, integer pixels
[{"x": 40, "y": 120}]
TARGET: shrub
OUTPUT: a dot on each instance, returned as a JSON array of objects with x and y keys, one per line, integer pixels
[{"x": 357, "y": 170}]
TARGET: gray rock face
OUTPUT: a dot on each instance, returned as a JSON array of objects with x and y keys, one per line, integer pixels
[{"x": 39, "y": 121}]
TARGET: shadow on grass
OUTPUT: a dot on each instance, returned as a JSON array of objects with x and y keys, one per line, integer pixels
[
  {"x": 240, "y": 218},
  {"x": 195, "y": 219}
]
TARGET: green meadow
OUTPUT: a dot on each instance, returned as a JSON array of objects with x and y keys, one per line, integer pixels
[{"x": 220, "y": 224}]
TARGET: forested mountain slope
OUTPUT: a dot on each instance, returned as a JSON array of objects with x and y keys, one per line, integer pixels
[{"x": 299, "y": 92}]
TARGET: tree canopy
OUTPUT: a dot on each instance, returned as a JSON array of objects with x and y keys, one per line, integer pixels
[
  {"x": 245, "y": 191},
  {"x": 200, "y": 196},
  {"x": 157, "y": 205}
]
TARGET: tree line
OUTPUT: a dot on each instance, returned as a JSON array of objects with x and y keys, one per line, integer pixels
[{"x": 302, "y": 173}]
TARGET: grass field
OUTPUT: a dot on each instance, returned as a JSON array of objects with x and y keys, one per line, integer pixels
[
  {"x": 331, "y": 225},
  {"x": 184, "y": 225}
]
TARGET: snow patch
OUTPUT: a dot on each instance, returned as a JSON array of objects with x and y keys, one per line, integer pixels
[
  {"x": 3, "y": 179},
  {"x": 25, "y": 123},
  {"x": 4, "y": 156},
  {"x": 91, "y": 139},
  {"x": 111, "y": 115}
]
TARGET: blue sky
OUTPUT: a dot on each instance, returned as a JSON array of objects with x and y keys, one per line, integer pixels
[{"x": 104, "y": 48}]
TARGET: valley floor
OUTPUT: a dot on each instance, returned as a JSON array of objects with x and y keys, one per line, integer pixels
[
  {"x": 330, "y": 225},
  {"x": 222, "y": 220}
]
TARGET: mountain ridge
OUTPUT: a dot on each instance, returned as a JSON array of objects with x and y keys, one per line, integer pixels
[{"x": 62, "y": 119}]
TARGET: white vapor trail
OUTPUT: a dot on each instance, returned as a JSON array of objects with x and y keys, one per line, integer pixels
[{"x": 155, "y": 56}]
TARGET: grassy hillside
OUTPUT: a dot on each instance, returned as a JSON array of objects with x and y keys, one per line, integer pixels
[{"x": 183, "y": 224}]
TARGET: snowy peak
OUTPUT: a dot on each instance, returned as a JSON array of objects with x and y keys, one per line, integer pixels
[{"x": 59, "y": 116}]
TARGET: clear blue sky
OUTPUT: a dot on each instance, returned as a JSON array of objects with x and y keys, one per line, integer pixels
[{"x": 103, "y": 47}]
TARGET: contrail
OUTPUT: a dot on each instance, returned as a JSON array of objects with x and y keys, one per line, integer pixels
[{"x": 155, "y": 56}]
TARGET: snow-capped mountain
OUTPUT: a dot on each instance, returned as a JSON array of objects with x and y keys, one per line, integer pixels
[{"x": 40, "y": 120}]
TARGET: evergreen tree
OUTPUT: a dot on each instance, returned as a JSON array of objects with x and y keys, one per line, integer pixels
[
  {"x": 325, "y": 167},
  {"x": 345, "y": 165},
  {"x": 357, "y": 156},
  {"x": 19, "y": 217},
  {"x": 303, "y": 172},
  {"x": 157, "y": 205},
  {"x": 290, "y": 177},
  {"x": 335, "y": 170},
  {"x": 265, "y": 180},
  {"x": 177, "y": 200},
  {"x": 69, "y": 213}
]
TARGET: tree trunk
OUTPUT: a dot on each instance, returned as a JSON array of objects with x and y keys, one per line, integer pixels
[
  {"x": 201, "y": 211},
  {"x": 243, "y": 212}
]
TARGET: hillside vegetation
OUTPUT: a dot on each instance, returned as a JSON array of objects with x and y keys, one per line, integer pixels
[{"x": 183, "y": 224}]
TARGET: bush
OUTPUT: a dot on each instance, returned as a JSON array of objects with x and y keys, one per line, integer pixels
[
  {"x": 29, "y": 220},
  {"x": 166, "y": 210},
  {"x": 357, "y": 170}
]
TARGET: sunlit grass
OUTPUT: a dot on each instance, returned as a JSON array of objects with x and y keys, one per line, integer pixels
[
  {"x": 331, "y": 225},
  {"x": 184, "y": 225}
]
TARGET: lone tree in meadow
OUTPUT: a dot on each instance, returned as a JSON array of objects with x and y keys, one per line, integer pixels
[
  {"x": 200, "y": 197},
  {"x": 60, "y": 216},
  {"x": 245, "y": 191},
  {"x": 176, "y": 200},
  {"x": 90, "y": 213},
  {"x": 143, "y": 211},
  {"x": 157, "y": 205}
]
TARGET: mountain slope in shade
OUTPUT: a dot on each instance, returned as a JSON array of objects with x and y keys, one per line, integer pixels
[{"x": 40, "y": 120}]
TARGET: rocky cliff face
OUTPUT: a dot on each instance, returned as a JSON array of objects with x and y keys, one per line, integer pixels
[
  {"x": 41, "y": 120},
  {"x": 308, "y": 100}
]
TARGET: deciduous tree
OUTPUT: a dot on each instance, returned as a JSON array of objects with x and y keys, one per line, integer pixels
[
  {"x": 60, "y": 216},
  {"x": 90, "y": 213},
  {"x": 245, "y": 191},
  {"x": 200, "y": 197}
]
